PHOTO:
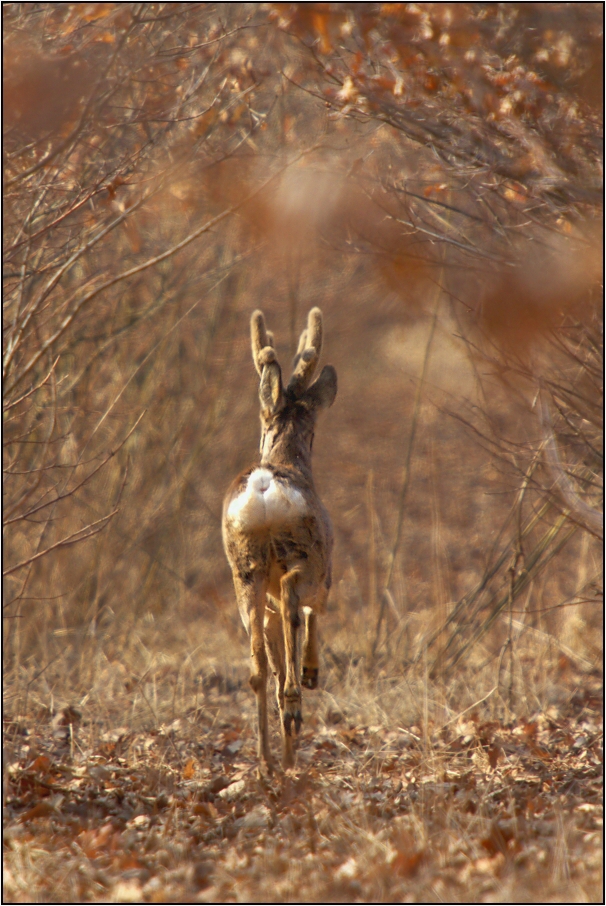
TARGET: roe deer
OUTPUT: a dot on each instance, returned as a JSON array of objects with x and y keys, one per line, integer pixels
[{"x": 277, "y": 534}]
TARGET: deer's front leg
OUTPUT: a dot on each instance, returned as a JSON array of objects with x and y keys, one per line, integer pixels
[
  {"x": 290, "y": 624},
  {"x": 251, "y": 601},
  {"x": 310, "y": 652}
]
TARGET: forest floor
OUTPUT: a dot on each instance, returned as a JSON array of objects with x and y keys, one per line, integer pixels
[{"x": 147, "y": 791}]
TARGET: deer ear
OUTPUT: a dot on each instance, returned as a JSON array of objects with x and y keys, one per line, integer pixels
[
  {"x": 323, "y": 391},
  {"x": 270, "y": 388}
]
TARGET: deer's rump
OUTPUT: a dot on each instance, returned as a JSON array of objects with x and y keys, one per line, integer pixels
[{"x": 263, "y": 500}]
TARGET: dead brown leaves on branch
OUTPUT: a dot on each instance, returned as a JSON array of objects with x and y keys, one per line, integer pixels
[
  {"x": 491, "y": 149},
  {"x": 514, "y": 89}
]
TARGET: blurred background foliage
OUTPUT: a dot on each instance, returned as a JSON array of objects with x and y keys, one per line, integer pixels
[{"x": 430, "y": 175}]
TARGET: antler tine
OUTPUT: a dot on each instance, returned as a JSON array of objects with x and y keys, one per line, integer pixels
[
  {"x": 302, "y": 345},
  {"x": 308, "y": 352},
  {"x": 314, "y": 330},
  {"x": 258, "y": 338},
  {"x": 300, "y": 349}
]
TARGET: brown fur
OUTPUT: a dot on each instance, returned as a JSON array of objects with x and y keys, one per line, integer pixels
[{"x": 277, "y": 534}]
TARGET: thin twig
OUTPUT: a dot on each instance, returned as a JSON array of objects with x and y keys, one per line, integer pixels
[{"x": 65, "y": 542}]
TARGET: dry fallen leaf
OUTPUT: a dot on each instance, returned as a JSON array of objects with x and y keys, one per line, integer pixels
[{"x": 189, "y": 770}]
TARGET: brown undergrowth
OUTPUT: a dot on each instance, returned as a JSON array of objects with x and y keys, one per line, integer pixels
[{"x": 209, "y": 164}]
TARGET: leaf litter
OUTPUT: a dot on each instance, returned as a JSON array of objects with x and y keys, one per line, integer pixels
[{"x": 473, "y": 810}]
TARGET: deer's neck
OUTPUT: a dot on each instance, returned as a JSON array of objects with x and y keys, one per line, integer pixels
[{"x": 287, "y": 452}]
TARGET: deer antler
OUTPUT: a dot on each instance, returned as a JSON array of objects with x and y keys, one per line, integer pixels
[
  {"x": 308, "y": 353},
  {"x": 266, "y": 363},
  {"x": 261, "y": 339}
]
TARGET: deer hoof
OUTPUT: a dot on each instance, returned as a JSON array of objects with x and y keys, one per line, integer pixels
[
  {"x": 292, "y": 715},
  {"x": 298, "y": 721},
  {"x": 310, "y": 677}
]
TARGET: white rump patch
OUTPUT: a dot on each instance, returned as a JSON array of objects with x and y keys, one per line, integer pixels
[{"x": 265, "y": 502}]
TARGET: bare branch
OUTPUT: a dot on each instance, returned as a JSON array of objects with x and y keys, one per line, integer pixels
[
  {"x": 89, "y": 530},
  {"x": 588, "y": 516},
  {"x": 151, "y": 262}
]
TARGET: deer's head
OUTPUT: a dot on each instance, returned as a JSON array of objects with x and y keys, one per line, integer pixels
[{"x": 288, "y": 414}]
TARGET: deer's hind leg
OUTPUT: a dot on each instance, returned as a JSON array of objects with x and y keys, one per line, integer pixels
[
  {"x": 311, "y": 660},
  {"x": 274, "y": 640},
  {"x": 251, "y": 602},
  {"x": 289, "y": 587}
]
